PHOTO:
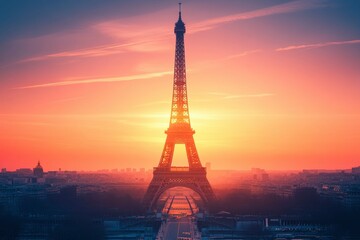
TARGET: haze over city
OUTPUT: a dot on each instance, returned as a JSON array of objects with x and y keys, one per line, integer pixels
[
  {"x": 272, "y": 84},
  {"x": 100, "y": 101}
]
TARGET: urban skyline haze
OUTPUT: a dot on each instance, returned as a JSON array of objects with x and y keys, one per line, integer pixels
[{"x": 86, "y": 85}]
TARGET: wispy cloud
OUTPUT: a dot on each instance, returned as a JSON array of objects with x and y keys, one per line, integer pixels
[
  {"x": 135, "y": 37},
  {"x": 153, "y": 103},
  {"x": 66, "y": 100},
  {"x": 147, "y": 124},
  {"x": 103, "y": 50},
  {"x": 235, "y": 96},
  {"x": 128, "y": 38},
  {"x": 209, "y": 63},
  {"x": 86, "y": 52},
  {"x": 139, "y": 138},
  {"x": 256, "y": 95},
  {"x": 100, "y": 80},
  {"x": 289, "y": 7},
  {"x": 243, "y": 54},
  {"x": 218, "y": 93},
  {"x": 317, "y": 45}
]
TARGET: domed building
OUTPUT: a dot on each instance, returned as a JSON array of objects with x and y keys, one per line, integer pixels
[{"x": 38, "y": 170}]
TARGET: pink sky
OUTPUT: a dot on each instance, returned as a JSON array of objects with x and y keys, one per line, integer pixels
[{"x": 272, "y": 85}]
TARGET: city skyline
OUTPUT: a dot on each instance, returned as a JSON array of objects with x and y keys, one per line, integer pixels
[{"x": 272, "y": 84}]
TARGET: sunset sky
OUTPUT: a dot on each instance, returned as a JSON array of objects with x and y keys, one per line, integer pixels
[{"x": 86, "y": 85}]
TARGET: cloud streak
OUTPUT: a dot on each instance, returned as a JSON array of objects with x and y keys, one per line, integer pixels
[
  {"x": 289, "y": 7},
  {"x": 100, "y": 80},
  {"x": 235, "y": 96},
  {"x": 256, "y": 95},
  {"x": 134, "y": 35},
  {"x": 243, "y": 54},
  {"x": 317, "y": 45},
  {"x": 98, "y": 51}
]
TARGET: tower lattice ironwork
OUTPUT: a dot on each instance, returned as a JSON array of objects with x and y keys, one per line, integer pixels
[{"x": 179, "y": 132}]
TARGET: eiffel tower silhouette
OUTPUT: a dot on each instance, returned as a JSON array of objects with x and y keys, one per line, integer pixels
[{"x": 179, "y": 132}]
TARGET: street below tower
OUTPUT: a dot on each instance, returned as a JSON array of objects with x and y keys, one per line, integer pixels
[{"x": 179, "y": 220}]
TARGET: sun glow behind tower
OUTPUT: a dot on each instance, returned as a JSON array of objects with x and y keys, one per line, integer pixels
[{"x": 166, "y": 176}]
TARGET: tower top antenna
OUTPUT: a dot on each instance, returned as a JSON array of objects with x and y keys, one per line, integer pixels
[{"x": 179, "y": 9}]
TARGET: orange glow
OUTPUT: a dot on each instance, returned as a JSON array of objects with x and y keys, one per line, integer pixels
[{"x": 255, "y": 99}]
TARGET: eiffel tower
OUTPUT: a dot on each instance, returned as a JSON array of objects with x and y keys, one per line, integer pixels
[{"x": 179, "y": 132}]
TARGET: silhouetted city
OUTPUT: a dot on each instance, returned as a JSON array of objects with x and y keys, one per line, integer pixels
[
  {"x": 172, "y": 201},
  {"x": 107, "y": 204}
]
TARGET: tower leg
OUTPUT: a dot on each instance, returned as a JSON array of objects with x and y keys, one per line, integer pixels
[{"x": 164, "y": 180}]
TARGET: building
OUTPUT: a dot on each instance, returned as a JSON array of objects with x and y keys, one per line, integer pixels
[
  {"x": 355, "y": 170},
  {"x": 38, "y": 170},
  {"x": 24, "y": 171}
]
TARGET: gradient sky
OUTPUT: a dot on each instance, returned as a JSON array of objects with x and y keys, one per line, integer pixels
[{"x": 86, "y": 85}]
